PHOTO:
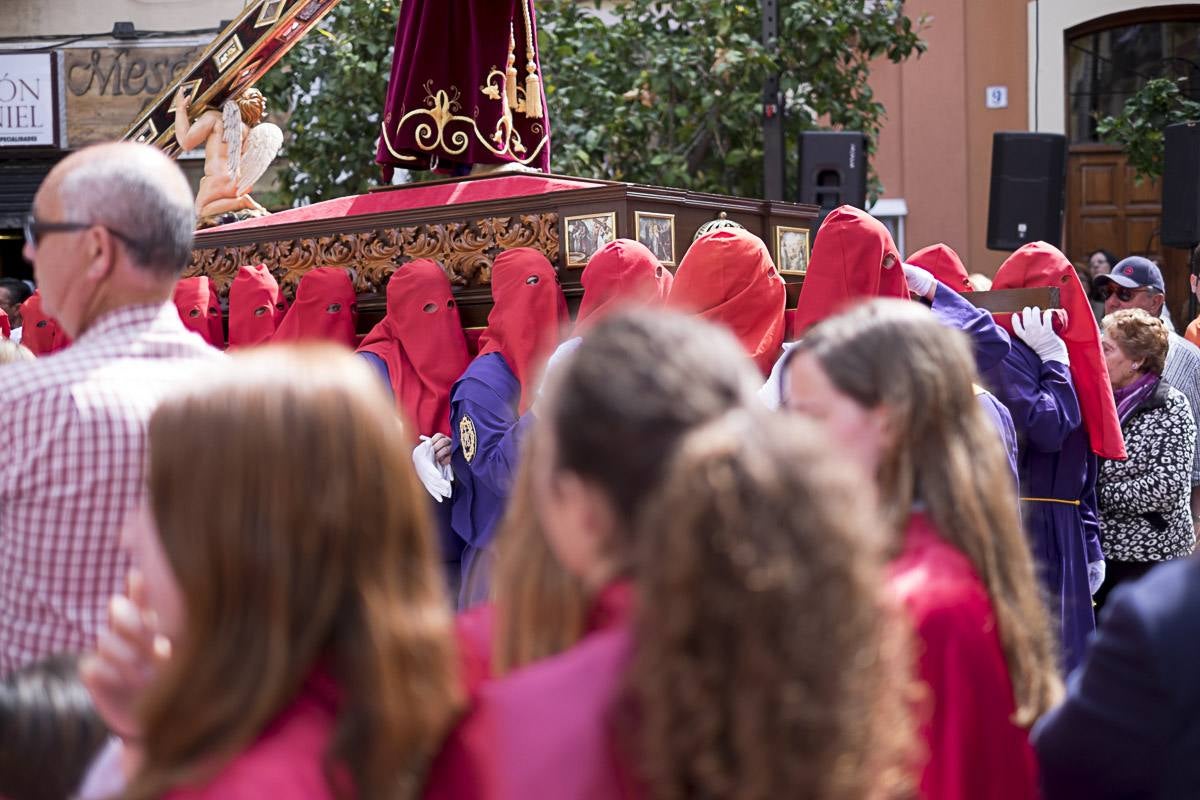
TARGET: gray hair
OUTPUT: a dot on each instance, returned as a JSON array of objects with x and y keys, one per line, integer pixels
[{"x": 137, "y": 192}]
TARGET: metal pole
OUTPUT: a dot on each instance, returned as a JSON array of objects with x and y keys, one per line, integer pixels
[{"x": 774, "y": 163}]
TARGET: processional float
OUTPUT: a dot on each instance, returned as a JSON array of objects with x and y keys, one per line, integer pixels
[{"x": 461, "y": 223}]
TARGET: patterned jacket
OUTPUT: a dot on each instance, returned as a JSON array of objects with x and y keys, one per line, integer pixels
[{"x": 1145, "y": 512}]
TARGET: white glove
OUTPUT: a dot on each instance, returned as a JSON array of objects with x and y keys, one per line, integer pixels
[
  {"x": 435, "y": 478},
  {"x": 1095, "y": 576},
  {"x": 1036, "y": 328},
  {"x": 920, "y": 281}
]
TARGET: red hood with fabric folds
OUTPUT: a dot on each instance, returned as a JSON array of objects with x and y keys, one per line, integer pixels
[
  {"x": 324, "y": 310},
  {"x": 622, "y": 272},
  {"x": 199, "y": 309},
  {"x": 527, "y": 317},
  {"x": 256, "y": 306},
  {"x": 727, "y": 277},
  {"x": 1038, "y": 264},
  {"x": 40, "y": 333},
  {"x": 944, "y": 264},
  {"x": 847, "y": 265},
  {"x": 421, "y": 341}
]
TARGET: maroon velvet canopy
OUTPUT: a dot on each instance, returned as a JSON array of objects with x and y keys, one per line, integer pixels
[{"x": 465, "y": 88}]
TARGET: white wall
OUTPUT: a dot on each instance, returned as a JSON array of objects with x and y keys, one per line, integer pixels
[
  {"x": 52, "y": 17},
  {"x": 1046, "y": 34}
]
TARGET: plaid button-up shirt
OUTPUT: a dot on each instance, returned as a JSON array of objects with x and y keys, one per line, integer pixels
[{"x": 73, "y": 427}]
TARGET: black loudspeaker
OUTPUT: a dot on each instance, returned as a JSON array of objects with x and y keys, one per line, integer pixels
[
  {"x": 833, "y": 170},
  {"x": 1181, "y": 185},
  {"x": 1029, "y": 180}
]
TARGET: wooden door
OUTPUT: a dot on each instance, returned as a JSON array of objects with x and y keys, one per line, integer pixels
[{"x": 1107, "y": 209}]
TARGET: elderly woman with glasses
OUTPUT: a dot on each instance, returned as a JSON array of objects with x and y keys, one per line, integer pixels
[{"x": 1145, "y": 516}]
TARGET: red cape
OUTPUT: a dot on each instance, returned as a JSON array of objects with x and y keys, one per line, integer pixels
[
  {"x": 846, "y": 265},
  {"x": 727, "y": 277},
  {"x": 40, "y": 333},
  {"x": 421, "y": 341},
  {"x": 256, "y": 306},
  {"x": 1038, "y": 264},
  {"x": 944, "y": 264},
  {"x": 199, "y": 309},
  {"x": 973, "y": 750},
  {"x": 325, "y": 309},
  {"x": 622, "y": 272},
  {"x": 5, "y": 325},
  {"x": 528, "y": 314}
]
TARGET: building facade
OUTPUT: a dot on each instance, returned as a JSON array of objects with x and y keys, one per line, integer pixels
[{"x": 1054, "y": 66}]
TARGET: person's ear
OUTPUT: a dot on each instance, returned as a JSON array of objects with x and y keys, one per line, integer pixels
[{"x": 99, "y": 247}]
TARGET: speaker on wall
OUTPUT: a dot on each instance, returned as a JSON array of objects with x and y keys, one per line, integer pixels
[
  {"x": 1028, "y": 191},
  {"x": 1181, "y": 185},
  {"x": 833, "y": 170}
]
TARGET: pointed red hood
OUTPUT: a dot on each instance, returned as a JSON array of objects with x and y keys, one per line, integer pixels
[
  {"x": 421, "y": 341},
  {"x": 944, "y": 264},
  {"x": 847, "y": 265},
  {"x": 198, "y": 308},
  {"x": 528, "y": 315},
  {"x": 1038, "y": 264},
  {"x": 256, "y": 306},
  {"x": 40, "y": 333},
  {"x": 325, "y": 309},
  {"x": 727, "y": 277},
  {"x": 622, "y": 272}
]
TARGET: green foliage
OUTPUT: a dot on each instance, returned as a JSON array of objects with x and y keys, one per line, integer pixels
[
  {"x": 1138, "y": 129},
  {"x": 670, "y": 93}
]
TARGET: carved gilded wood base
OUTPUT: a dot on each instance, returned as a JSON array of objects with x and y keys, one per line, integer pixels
[{"x": 465, "y": 249}]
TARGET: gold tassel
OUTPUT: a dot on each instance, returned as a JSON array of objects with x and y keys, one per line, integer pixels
[
  {"x": 533, "y": 93},
  {"x": 510, "y": 72}
]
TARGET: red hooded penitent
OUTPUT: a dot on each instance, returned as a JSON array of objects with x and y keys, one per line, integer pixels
[
  {"x": 40, "y": 333},
  {"x": 847, "y": 264},
  {"x": 325, "y": 309},
  {"x": 727, "y": 277},
  {"x": 944, "y": 264},
  {"x": 528, "y": 314},
  {"x": 622, "y": 272},
  {"x": 421, "y": 341},
  {"x": 1038, "y": 264},
  {"x": 199, "y": 309},
  {"x": 256, "y": 306}
]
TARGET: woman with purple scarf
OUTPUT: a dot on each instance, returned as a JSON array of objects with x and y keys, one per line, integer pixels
[{"x": 1145, "y": 516}]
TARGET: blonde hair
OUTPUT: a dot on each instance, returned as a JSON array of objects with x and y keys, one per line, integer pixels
[
  {"x": 1140, "y": 336},
  {"x": 13, "y": 352},
  {"x": 895, "y": 354},
  {"x": 301, "y": 545},
  {"x": 767, "y": 665}
]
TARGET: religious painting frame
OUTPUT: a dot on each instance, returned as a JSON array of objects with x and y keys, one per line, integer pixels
[
  {"x": 791, "y": 250},
  {"x": 584, "y": 234},
  {"x": 658, "y": 235}
]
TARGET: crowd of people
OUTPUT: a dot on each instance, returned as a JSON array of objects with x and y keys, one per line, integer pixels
[{"x": 687, "y": 544}]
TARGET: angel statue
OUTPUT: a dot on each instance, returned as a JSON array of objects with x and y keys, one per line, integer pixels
[{"x": 238, "y": 148}]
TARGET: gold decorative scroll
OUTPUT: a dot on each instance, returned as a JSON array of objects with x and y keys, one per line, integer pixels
[{"x": 464, "y": 249}]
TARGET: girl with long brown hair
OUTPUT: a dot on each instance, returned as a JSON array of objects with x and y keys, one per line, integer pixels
[
  {"x": 732, "y": 648},
  {"x": 894, "y": 387},
  {"x": 295, "y": 575}
]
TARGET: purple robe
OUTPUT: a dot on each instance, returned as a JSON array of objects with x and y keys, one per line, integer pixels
[
  {"x": 450, "y": 101},
  {"x": 1055, "y": 463},
  {"x": 991, "y": 344},
  {"x": 484, "y": 402}
]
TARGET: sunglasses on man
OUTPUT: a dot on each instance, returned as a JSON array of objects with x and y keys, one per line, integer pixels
[
  {"x": 36, "y": 230},
  {"x": 1125, "y": 294}
]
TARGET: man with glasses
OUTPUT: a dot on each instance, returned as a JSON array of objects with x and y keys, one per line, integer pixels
[
  {"x": 110, "y": 232},
  {"x": 1137, "y": 282}
]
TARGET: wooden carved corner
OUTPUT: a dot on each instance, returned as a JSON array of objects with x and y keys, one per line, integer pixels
[{"x": 464, "y": 249}]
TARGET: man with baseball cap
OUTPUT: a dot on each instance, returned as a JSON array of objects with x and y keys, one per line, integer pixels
[{"x": 1137, "y": 282}]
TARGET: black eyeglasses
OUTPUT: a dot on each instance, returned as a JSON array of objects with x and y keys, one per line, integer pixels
[
  {"x": 1125, "y": 294},
  {"x": 35, "y": 230}
]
